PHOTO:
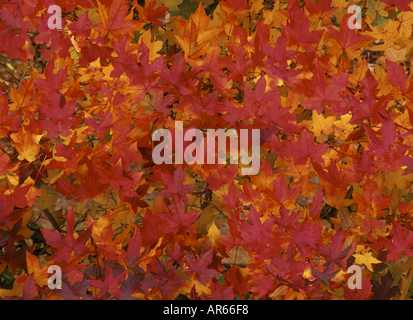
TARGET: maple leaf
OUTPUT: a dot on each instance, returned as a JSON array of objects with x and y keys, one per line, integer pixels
[
  {"x": 132, "y": 256},
  {"x": 13, "y": 258},
  {"x": 257, "y": 234},
  {"x": 297, "y": 31},
  {"x": 109, "y": 283},
  {"x": 11, "y": 236},
  {"x": 385, "y": 290},
  {"x": 221, "y": 176},
  {"x": 320, "y": 91},
  {"x": 371, "y": 200},
  {"x": 13, "y": 46},
  {"x": 7, "y": 122},
  {"x": 359, "y": 294},
  {"x": 40, "y": 275},
  {"x": 29, "y": 289},
  {"x": 199, "y": 266},
  {"x": 130, "y": 286},
  {"x": 238, "y": 68},
  {"x": 166, "y": 280},
  {"x": 196, "y": 35},
  {"x": 320, "y": 11},
  {"x": 114, "y": 176},
  {"x": 332, "y": 175},
  {"x": 52, "y": 82},
  {"x": 102, "y": 234},
  {"x": 401, "y": 242},
  {"x": 218, "y": 293},
  {"x": 26, "y": 143},
  {"x": 305, "y": 237},
  {"x": 307, "y": 148},
  {"x": 15, "y": 22},
  {"x": 61, "y": 119},
  {"x": 231, "y": 199},
  {"x": 176, "y": 75},
  {"x": 369, "y": 107},
  {"x": 103, "y": 125},
  {"x": 115, "y": 20},
  {"x": 347, "y": 40},
  {"x": 280, "y": 193},
  {"x": 176, "y": 186},
  {"x": 67, "y": 244},
  {"x": 175, "y": 255},
  {"x": 178, "y": 217},
  {"x": 79, "y": 292},
  {"x": 287, "y": 266},
  {"x": 335, "y": 252},
  {"x": 402, "y": 5},
  {"x": 153, "y": 229},
  {"x": 325, "y": 275},
  {"x": 7, "y": 214},
  {"x": 150, "y": 14},
  {"x": 399, "y": 80}
]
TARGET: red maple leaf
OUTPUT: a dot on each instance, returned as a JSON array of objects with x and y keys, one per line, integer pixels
[
  {"x": 335, "y": 252},
  {"x": 200, "y": 267},
  {"x": 359, "y": 294},
  {"x": 132, "y": 256},
  {"x": 402, "y": 5},
  {"x": 150, "y": 14},
  {"x": 297, "y": 31},
  {"x": 369, "y": 107},
  {"x": 176, "y": 187},
  {"x": 67, "y": 244},
  {"x": 348, "y": 39},
  {"x": 109, "y": 284},
  {"x": 114, "y": 176},
  {"x": 401, "y": 242},
  {"x": 307, "y": 148},
  {"x": 60, "y": 118},
  {"x": 177, "y": 217},
  {"x": 29, "y": 289},
  {"x": 7, "y": 122},
  {"x": 320, "y": 89},
  {"x": 218, "y": 293},
  {"x": 153, "y": 229}
]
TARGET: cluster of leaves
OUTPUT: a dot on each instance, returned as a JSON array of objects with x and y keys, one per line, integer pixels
[{"x": 334, "y": 108}]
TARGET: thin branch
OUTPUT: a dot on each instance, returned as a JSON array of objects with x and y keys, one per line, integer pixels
[
  {"x": 51, "y": 219},
  {"x": 17, "y": 81},
  {"x": 27, "y": 70}
]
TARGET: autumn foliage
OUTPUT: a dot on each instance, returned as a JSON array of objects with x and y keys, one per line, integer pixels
[{"x": 334, "y": 106}]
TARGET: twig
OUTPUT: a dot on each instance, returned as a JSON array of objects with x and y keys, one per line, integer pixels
[
  {"x": 51, "y": 219},
  {"x": 25, "y": 72},
  {"x": 9, "y": 72}
]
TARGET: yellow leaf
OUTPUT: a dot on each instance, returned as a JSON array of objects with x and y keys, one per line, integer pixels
[
  {"x": 153, "y": 46},
  {"x": 16, "y": 291},
  {"x": 321, "y": 124},
  {"x": 280, "y": 291},
  {"x": 213, "y": 233},
  {"x": 52, "y": 176},
  {"x": 26, "y": 143},
  {"x": 367, "y": 259},
  {"x": 395, "y": 179}
]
